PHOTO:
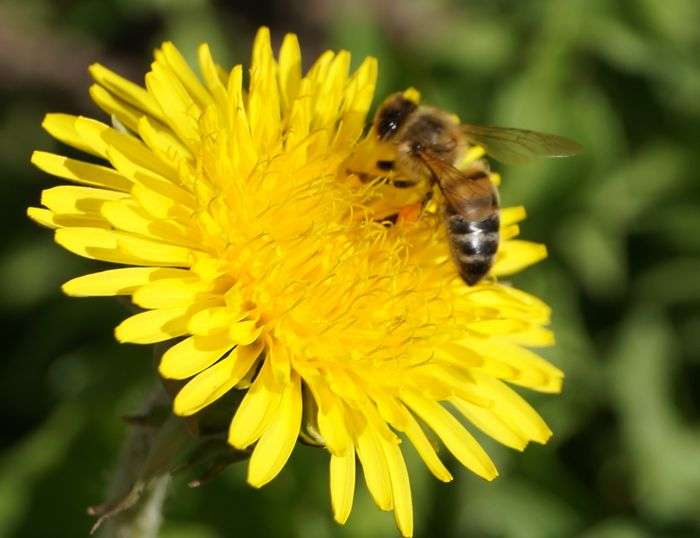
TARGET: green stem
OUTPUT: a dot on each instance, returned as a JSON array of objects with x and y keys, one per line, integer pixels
[
  {"x": 143, "y": 519},
  {"x": 134, "y": 503}
]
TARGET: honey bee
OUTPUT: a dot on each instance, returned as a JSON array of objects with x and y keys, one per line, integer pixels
[{"x": 429, "y": 142}]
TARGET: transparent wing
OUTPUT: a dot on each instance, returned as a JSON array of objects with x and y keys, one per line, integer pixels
[{"x": 517, "y": 146}]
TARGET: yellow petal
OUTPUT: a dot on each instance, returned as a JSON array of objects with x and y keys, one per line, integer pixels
[
  {"x": 185, "y": 75},
  {"x": 62, "y": 127},
  {"x": 80, "y": 172},
  {"x": 42, "y": 216},
  {"x": 491, "y": 424},
  {"x": 401, "y": 488},
  {"x": 143, "y": 175},
  {"x": 331, "y": 418},
  {"x": 159, "y": 204},
  {"x": 128, "y": 216},
  {"x": 332, "y": 90},
  {"x": 126, "y": 90},
  {"x": 89, "y": 131},
  {"x": 95, "y": 243},
  {"x": 153, "y": 326},
  {"x": 111, "y": 142},
  {"x": 275, "y": 445},
  {"x": 211, "y": 76},
  {"x": 126, "y": 114},
  {"x": 246, "y": 157},
  {"x": 515, "y": 255},
  {"x": 358, "y": 98},
  {"x": 533, "y": 336},
  {"x": 497, "y": 327},
  {"x": 289, "y": 70},
  {"x": 440, "y": 381},
  {"x": 263, "y": 96},
  {"x": 511, "y": 304},
  {"x": 529, "y": 369},
  {"x": 172, "y": 292},
  {"x": 114, "y": 246},
  {"x": 425, "y": 449},
  {"x": 181, "y": 112},
  {"x": 256, "y": 410},
  {"x": 117, "y": 281},
  {"x": 319, "y": 70},
  {"x": 209, "y": 385},
  {"x": 71, "y": 199},
  {"x": 244, "y": 332},
  {"x": 514, "y": 410},
  {"x": 471, "y": 155},
  {"x": 211, "y": 320},
  {"x": 509, "y": 232},
  {"x": 48, "y": 218},
  {"x": 162, "y": 141},
  {"x": 456, "y": 438},
  {"x": 279, "y": 357},
  {"x": 192, "y": 355},
  {"x": 374, "y": 465},
  {"x": 512, "y": 215},
  {"x": 342, "y": 482}
]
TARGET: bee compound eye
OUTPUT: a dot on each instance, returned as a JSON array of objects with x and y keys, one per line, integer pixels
[
  {"x": 387, "y": 127},
  {"x": 392, "y": 116}
]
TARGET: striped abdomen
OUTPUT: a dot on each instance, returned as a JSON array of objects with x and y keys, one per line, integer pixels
[{"x": 473, "y": 234}]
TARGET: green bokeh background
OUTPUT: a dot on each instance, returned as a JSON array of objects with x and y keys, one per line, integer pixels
[{"x": 622, "y": 223}]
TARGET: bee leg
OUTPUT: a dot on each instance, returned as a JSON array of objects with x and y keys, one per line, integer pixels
[
  {"x": 412, "y": 212},
  {"x": 426, "y": 199},
  {"x": 390, "y": 221},
  {"x": 362, "y": 176},
  {"x": 402, "y": 183}
]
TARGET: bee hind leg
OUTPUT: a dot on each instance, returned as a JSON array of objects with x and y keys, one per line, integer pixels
[{"x": 412, "y": 212}]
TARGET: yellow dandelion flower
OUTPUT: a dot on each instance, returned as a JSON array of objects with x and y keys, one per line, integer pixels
[{"x": 245, "y": 241}]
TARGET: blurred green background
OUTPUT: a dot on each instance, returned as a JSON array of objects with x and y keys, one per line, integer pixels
[{"x": 622, "y": 222}]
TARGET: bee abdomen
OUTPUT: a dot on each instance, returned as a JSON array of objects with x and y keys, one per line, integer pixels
[{"x": 474, "y": 244}]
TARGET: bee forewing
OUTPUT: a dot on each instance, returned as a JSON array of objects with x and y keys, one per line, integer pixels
[
  {"x": 454, "y": 183},
  {"x": 517, "y": 146}
]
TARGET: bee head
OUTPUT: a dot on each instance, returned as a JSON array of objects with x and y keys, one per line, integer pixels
[{"x": 392, "y": 114}]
